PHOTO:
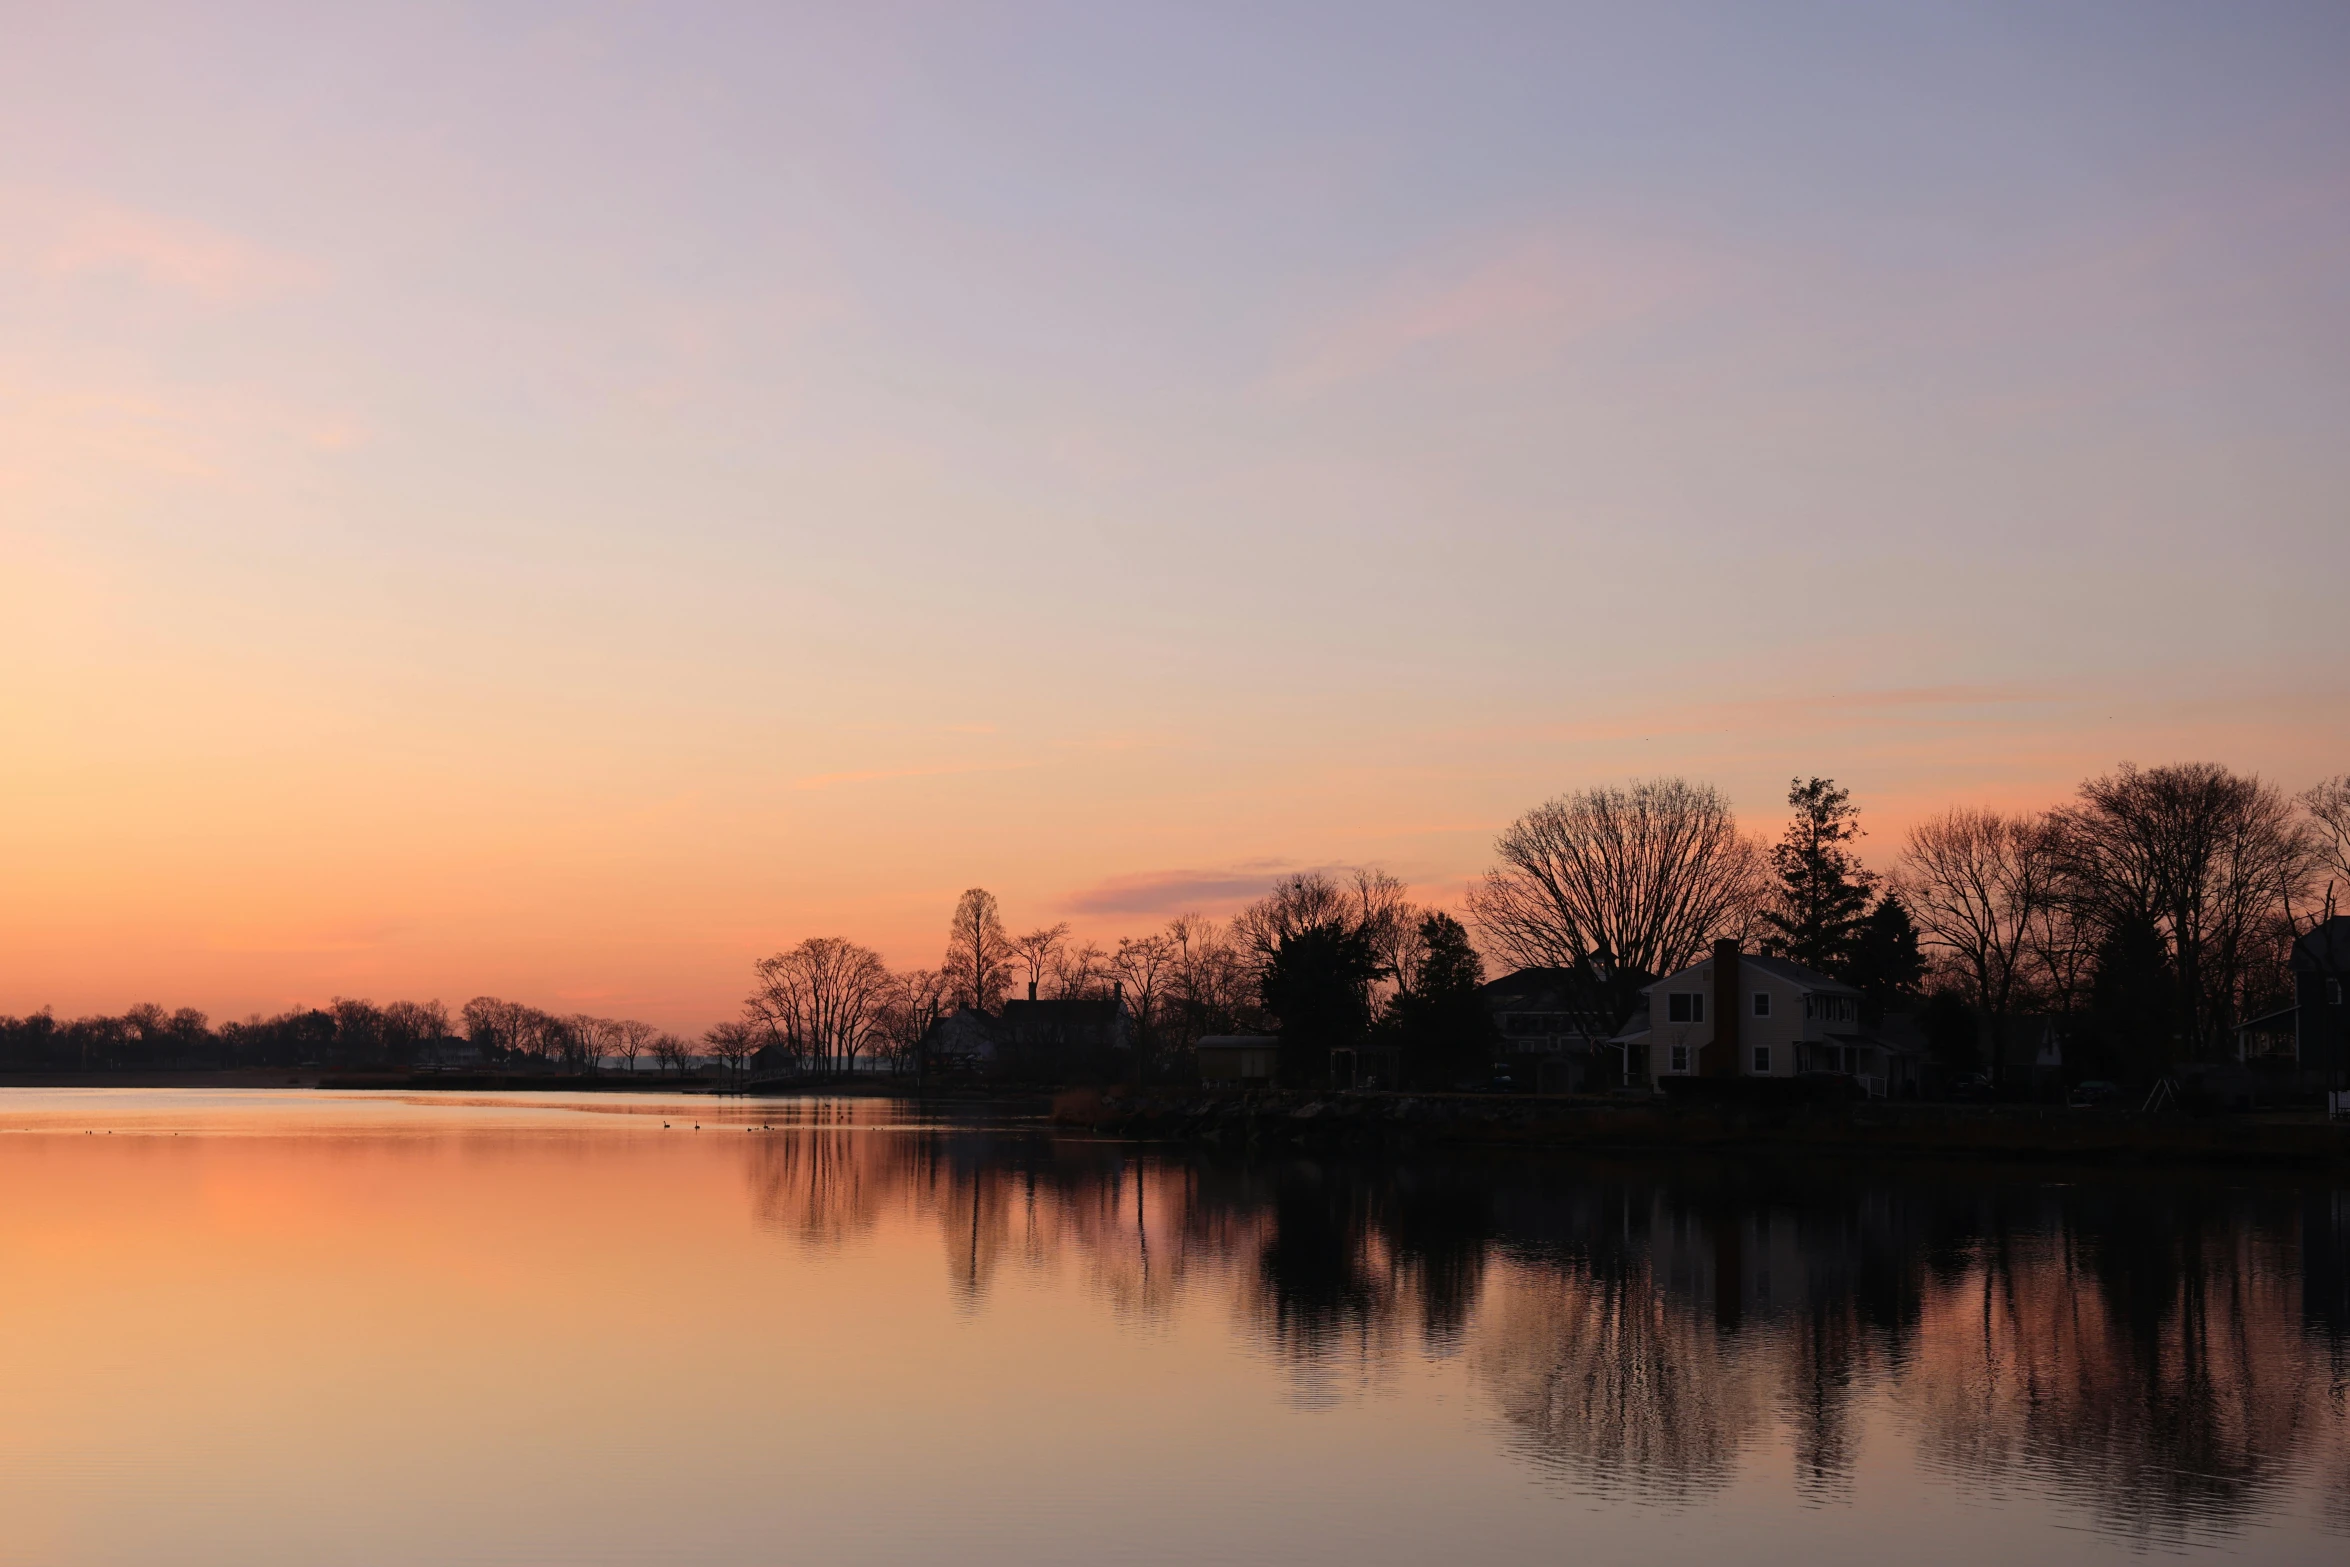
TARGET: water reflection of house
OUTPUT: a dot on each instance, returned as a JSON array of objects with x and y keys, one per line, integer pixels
[
  {"x": 1740, "y": 1015},
  {"x": 2159, "y": 1353}
]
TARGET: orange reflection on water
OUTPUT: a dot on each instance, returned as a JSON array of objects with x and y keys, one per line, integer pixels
[{"x": 297, "y": 1328}]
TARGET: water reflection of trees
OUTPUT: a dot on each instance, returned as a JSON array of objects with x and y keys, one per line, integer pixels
[{"x": 2164, "y": 1355}]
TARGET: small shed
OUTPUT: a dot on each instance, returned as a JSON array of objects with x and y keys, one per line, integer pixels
[{"x": 1238, "y": 1058}]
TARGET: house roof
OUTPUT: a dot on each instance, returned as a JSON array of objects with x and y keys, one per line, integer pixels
[
  {"x": 1882, "y": 1041},
  {"x": 1783, "y": 968},
  {"x": 1547, "y": 988},
  {"x": 2325, "y": 948},
  {"x": 2277, "y": 1022},
  {"x": 1100, "y": 1009}
]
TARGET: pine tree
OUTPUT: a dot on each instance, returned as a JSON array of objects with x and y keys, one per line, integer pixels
[
  {"x": 1441, "y": 1022},
  {"x": 1823, "y": 891},
  {"x": 1886, "y": 964}
]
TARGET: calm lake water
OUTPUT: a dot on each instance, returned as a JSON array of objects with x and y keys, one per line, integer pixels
[{"x": 263, "y": 1328}]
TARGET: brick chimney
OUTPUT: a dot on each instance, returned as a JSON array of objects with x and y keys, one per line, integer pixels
[{"x": 1721, "y": 1057}]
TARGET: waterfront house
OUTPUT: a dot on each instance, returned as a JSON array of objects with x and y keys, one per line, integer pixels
[
  {"x": 1067, "y": 1039},
  {"x": 2321, "y": 1021},
  {"x": 1543, "y": 1038},
  {"x": 1739, "y": 1014},
  {"x": 1238, "y": 1058},
  {"x": 963, "y": 1040}
]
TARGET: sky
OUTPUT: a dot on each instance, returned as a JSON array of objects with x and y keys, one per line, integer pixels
[{"x": 560, "y": 500}]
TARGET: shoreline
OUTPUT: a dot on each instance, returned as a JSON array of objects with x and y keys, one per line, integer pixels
[
  {"x": 1379, "y": 1122},
  {"x": 316, "y": 1078}
]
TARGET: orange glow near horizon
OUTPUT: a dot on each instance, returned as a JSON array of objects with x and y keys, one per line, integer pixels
[{"x": 658, "y": 487}]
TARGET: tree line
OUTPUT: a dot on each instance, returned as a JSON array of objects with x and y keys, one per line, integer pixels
[
  {"x": 2150, "y": 914},
  {"x": 2153, "y": 912},
  {"x": 346, "y": 1036}
]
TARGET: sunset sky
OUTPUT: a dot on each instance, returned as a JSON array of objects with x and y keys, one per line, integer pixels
[{"x": 558, "y": 500}]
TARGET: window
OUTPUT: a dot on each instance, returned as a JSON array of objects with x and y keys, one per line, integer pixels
[
  {"x": 1762, "y": 1060},
  {"x": 2333, "y": 992},
  {"x": 1762, "y": 1003},
  {"x": 1680, "y": 1058},
  {"x": 1685, "y": 1006}
]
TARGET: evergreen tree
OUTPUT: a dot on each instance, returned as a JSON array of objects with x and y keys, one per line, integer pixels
[
  {"x": 2132, "y": 1023},
  {"x": 1440, "y": 1022},
  {"x": 1317, "y": 985},
  {"x": 1823, "y": 891},
  {"x": 1886, "y": 964}
]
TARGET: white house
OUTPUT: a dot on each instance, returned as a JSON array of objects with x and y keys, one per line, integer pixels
[{"x": 1737, "y": 1014}]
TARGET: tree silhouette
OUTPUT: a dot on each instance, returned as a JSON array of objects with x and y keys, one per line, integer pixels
[{"x": 1822, "y": 890}]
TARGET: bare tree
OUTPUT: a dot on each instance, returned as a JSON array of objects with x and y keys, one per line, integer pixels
[
  {"x": 412, "y": 1028},
  {"x": 916, "y": 1000},
  {"x": 672, "y": 1053},
  {"x": 979, "y": 954},
  {"x": 1036, "y": 952},
  {"x": 1619, "y": 887},
  {"x": 1297, "y": 902},
  {"x": 733, "y": 1044},
  {"x": 2063, "y": 948},
  {"x": 583, "y": 1041},
  {"x": 2328, "y": 805},
  {"x": 1213, "y": 987},
  {"x": 823, "y": 999},
  {"x": 1079, "y": 971},
  {"x": 2212, "y": 861},
  {"x": 1389, "y": 921},
  {"x": 505, "y": 1028},
  {"x": 630, "y": 1038},
  {"x": 1143, "y": 966},
  {"x": 1979, "y": 885}
]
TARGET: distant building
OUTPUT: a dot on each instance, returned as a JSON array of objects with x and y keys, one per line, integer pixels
[
  {"x": 1064, "y": 1040},
  {"x": 448, "y": 1054},
  {"x": 1737, "y": 1014},
  {"x": 2033, "y": 1053},
  {"x": 1543, "y": 1038},
  {"x": 2321, "y": 1023},
  {"x": 1238, "y": 1058},
  {"x": 2272, "y": 1039},
  {"x": 963, "y": 1040}
]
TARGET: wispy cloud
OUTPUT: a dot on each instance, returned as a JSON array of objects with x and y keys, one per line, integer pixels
[
  {"x": 1174, "y": 891},
  {"x": 104, "y": 239},
  {"x": 1529, "y": 297}
]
